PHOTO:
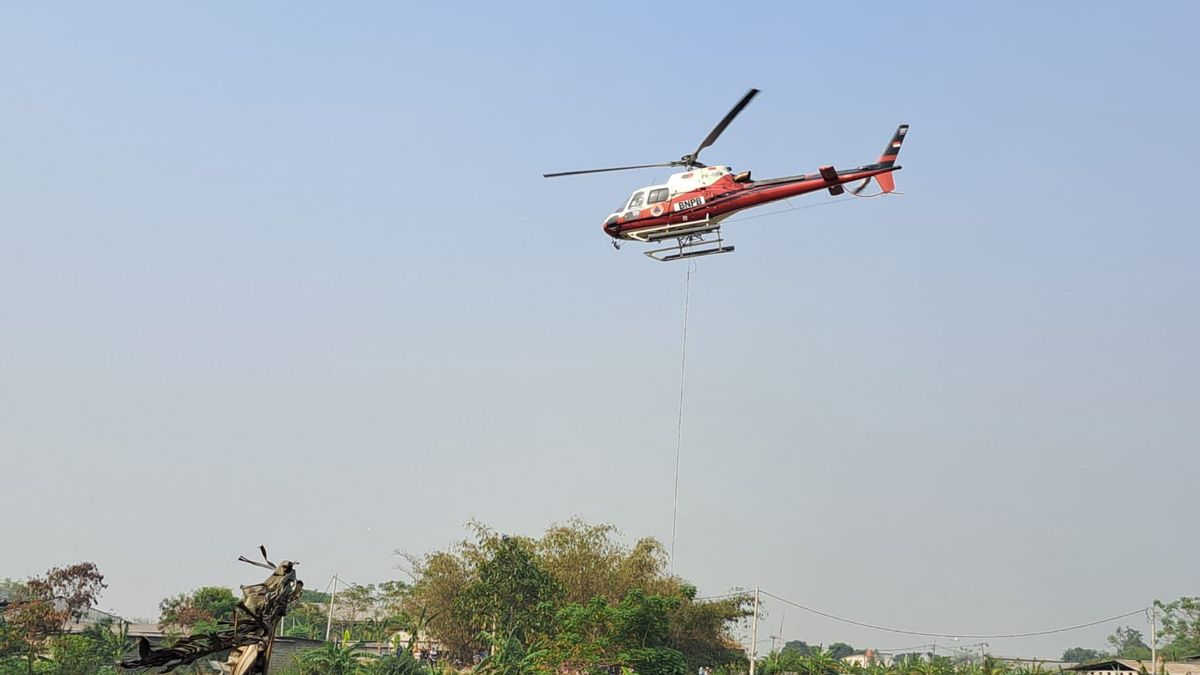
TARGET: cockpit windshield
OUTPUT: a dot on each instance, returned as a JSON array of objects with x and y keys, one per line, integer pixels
[{"x": 636, "y": 202}]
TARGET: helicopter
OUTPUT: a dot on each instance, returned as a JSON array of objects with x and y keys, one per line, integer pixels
[{"x": 691, "y": 205}]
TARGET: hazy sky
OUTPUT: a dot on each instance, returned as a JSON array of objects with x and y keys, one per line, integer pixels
[{"x": 288, "y": 273}]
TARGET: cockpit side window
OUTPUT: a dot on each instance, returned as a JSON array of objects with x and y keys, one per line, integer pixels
[
  {"x": 659, "y": 195},
  {"x": 636, "y": 202}
]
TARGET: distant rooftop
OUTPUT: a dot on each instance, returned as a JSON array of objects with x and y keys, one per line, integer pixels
[{"x": 1188, "y": 667}]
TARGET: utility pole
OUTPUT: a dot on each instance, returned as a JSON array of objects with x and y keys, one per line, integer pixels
[
  {"x": 778, "y": 636},
  {"x": 1153, "y": 640},
  {"x": 754, "y": 634},
  {"x": 329, "y": 621}
]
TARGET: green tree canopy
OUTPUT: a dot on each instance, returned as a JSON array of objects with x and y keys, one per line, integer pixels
[
  {"x": 840, "y": 650},
  {"x": 1180, "y": 627},
  {"x": 576, "y": 580},
  {"x": 198, "y": 611},
  {"x": 512, "y": 595},
  {"x": 796, "y": 647},
  {"x": 1082, "y": 655},
  {"x": 1128, "y": 643}
]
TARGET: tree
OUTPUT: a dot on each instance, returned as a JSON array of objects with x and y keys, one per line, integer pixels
[
  {"x": 510, "y": 657},
  {"x": 566, "y": 583},
  {"x": 440, "y": 578},
  {"x": 42, "y": 606},
  {"x": 1180, "y": 627},
  {"x": 318, "y": 597},
  {"x": 589, "y": 561},
  {"x": 306, "y": 620},
  {"x": 75, "y": 655},
  {"x": 391, "y": 596},
  {"x": 1127, "y": 643},
  {"x": 199, "y": 611},
  {"x": 840, "y": 650},
  {"x": 796, "y": 647},
  {"x": 512, "y": 594},
  {"x": 358, "y": 599},
  {"x": 1082, "y": 655},
  {"x": 700, "y": 630},
  {"x": 110, "y": 640}
]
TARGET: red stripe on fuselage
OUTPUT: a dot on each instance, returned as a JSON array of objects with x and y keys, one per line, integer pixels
[{"x": 725, "y": 198}]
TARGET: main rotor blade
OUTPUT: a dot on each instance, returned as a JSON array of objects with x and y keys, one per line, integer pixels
[
  {"x": 720, "y": 128},
  {"x": 615, "y": 168}
]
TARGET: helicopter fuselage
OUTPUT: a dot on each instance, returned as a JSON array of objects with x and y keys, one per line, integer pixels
[{"x": 702, "y": 197}]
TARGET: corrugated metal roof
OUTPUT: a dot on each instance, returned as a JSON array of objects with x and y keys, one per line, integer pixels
[{"x": 1136, "y": 666}]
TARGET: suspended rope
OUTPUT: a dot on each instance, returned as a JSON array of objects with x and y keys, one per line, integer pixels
[{"x": 687, "y": 296}]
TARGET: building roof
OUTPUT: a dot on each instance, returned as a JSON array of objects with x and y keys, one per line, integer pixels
[
  {"x": 1047, "y": 664},
  {"x": 1136, "y": 666}
]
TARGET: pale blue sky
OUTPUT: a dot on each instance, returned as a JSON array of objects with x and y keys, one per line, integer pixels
[{"x": 288, "y": 272}]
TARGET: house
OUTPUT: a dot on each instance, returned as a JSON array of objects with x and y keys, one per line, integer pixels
[{"x": 868, "y": 657}]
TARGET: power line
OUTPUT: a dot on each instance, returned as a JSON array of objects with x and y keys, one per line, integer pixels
[
  {"x": 723, "y": 596},
  {"x": 996, "y": 636}
]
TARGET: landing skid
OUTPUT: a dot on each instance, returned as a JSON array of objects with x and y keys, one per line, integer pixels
[{"x": 691, "y": 246}]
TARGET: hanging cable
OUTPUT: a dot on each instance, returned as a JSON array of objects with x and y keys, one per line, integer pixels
[
  {"x": 687, "y": 296},
  {"x": 733, "y": 594},
  {"x": 954, "y": 635}
]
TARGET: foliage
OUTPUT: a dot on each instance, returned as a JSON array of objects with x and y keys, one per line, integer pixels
[
  {"x": 75, "y": 655},
  {"x": 588, "y": 561},
  {"x": 402, "y": 663},
  {"x": 41, "y": 607},
  {"x": 198, "y": 611},
  {"x": 510, "y": 657},
  {"x": 511, "y": 594},
  {"x": 840, "y": 650},
  {"x": 110, "y": 640},
  {"x": 1127, "y": 643},
  {"x": 319, "y": 597},
  {"x": 441, "y": 577},
  {"x": 821, "y": 661},
  {"x": 552, "y": 592},
  {"x": 1180, "y": 627},
  {"x": 599, "y": 634},
  {"x": 700, "y": 630},
  {"x": 358, "y": 599},
  {"x": 655, "y": 661},
  {"x": 305, "y": 620},
  {"x": 797, "y": 647},
  {"x": 815, "y": 661},
  {"x": 1082, "y": 655},
  {"x": 332, "y": 658}
]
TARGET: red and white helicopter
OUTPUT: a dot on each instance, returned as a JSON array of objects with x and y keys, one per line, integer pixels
[{"x": 691, "y": 205}]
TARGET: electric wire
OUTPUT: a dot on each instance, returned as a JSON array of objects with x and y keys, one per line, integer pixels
[
  {"x": 994, "y": 636},
  {"x": 733, "y": 594}
]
